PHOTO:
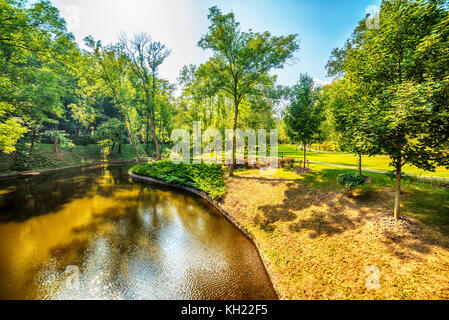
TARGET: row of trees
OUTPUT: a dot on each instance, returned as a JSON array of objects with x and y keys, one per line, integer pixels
[
  {"x": 391, "y": 90},
  {"x": 51, "y": 89},
  {"x": 113, "y": 94}
]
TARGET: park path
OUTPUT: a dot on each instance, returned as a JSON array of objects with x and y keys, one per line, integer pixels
[{"x": 377, "y": 171}]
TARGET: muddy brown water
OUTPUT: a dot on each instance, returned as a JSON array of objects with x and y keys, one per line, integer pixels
[{"x": 93, "y": 233}]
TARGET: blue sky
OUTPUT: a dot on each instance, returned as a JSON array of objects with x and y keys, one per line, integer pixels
[{"x": 321, "y": 25}]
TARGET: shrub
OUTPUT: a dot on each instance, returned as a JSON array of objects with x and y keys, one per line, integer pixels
[
  {"x": 288, "y": 162},
  {"x": 83, "y": 140},
  {"x": 206, "y": 177},
  {"x": 350, "y": 180}
]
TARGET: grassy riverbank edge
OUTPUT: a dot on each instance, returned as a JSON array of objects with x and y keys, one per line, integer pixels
[{"x": 37, "y": 172}]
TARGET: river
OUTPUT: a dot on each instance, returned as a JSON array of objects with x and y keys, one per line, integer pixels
[{"x": 94, "y": 233}]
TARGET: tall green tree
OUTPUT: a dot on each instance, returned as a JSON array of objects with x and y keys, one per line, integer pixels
[
  {"x": 242, "y": 60},
  {"x": 147, "y": 56},
  {"x": 304, "y": 115},
  {"x": 35, "y": 55},
  {"x": 113, "y": 70},
  {"x": 400, "y": 84},
  {"x": 349, "y": 120}
]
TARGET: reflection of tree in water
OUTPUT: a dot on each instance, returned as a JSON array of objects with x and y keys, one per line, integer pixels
[{"x": 46, "y": 193}]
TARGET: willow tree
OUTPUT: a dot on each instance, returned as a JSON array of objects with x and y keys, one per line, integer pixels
[
  {"x": 147, "y": 56},
  {"x": 112, "y": 67},
  {"x": 241, "y": 60},
  {"x": 400, "y": 73}
]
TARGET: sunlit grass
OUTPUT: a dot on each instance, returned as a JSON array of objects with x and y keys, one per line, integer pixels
[{"x": 379, "y": 162}]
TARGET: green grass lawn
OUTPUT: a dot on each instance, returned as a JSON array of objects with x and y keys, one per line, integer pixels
[
  {"x": 426, "y": 203},
  {"x": 376, "y": 162},
  {"x": 319, "y": 239}
]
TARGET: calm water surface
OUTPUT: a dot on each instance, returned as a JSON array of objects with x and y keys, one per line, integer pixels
[{"x": 129, "y": 240}]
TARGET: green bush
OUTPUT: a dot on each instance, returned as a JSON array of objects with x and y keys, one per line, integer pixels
[
  {"x": 39, "y": 158},
  {"x": 206, "y": 177},
  {"x": 350, "y": 180}
]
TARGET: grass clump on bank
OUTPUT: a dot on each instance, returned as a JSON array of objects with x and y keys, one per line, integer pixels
[{"x": 205, "y": 177}]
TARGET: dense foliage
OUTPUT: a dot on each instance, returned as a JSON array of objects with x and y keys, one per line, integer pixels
[
  {"x": 113, "y": 94},
  {"x": 206, "y": 177}
]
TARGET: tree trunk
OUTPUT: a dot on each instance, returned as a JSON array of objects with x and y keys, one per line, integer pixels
[
  {"x": 119, "y": 148},
  {"x": 156, "y": 144},
  {"x": 160, "y": 130},
  {"x": 234, "y": 141},
  {"x": 360, "y": 164},
  {"x": 150, "y": 103},
  {"x": 305, "y": 154},
  {"x": 397, "y": 191},
  {"x": 153, "y": 126},
  {"x": 131, "y": 138},
  {"x": 147, "y": 135},
  {"x": 56, "y": 145},
  {"x": 30, "y": 152}
]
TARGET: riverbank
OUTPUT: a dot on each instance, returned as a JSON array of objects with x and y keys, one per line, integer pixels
[
  {"x": 318, "y": 243},
  {"x": 45, "y": 158},
  {"x": 37, "y": 172}
]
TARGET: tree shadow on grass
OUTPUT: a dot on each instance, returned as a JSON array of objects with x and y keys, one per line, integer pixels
[
  {"x": 302, "y": 194},
  {"x": 322, "y": 224},
  {"x": 342, "y": 213}
]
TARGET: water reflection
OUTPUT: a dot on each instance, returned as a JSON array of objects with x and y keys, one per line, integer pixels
[{"x": 129, "y": 241}]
